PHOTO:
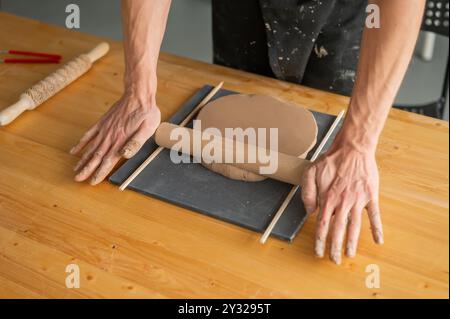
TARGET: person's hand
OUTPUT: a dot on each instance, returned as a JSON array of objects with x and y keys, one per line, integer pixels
[
  {"x": 341, "y": 183},
  {"x": 119, "y": 133}
]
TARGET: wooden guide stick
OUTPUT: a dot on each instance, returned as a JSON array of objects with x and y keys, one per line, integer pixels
[
  {"x": 53, "y": 83},
  {"x": 294, "y": 189},
  {"x": 188, "y": 118}
]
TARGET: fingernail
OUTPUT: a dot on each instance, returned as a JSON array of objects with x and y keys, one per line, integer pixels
[
  {"x": 336, "y": 258},
  {"x": 77, "y": 166},
  {"x": 319, "y": 248},
  {"x": 350, "y": 252},
  {"x": 79, "y": 176},
  {"x": 126, "y": 152},
  {"x": 71, "y": 150},
  {"x": 130, "y": 148},
  {"x": 379, "y": 237}
]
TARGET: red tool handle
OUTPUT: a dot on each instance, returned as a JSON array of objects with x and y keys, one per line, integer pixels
[
  {"x": 29, "y": 60},
  {"x": 42, "y": 55}
]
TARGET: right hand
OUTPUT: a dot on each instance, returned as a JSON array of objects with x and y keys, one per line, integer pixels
[
  {"x": 120, "y": 132},
  {"x": 341, "y": 183}
]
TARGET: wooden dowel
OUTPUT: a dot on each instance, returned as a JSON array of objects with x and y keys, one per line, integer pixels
[
  {"x": 203, "y": 102},
  {"x": 188, "y": 118},
  {"x": 294, "y": 189}
]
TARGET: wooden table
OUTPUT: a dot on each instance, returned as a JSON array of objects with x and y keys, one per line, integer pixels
[{"x": 129, "y": 245}]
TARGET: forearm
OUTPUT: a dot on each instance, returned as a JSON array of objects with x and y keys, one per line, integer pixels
[
  {"x": 144, "y": 23},
  {"x": 385, "y": 55}
]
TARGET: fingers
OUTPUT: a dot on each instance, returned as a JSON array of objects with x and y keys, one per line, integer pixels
[
  {"x": 87, "y": 137},
  {"x": 353, "y": 231},
  {"x": 135, "y": 143},
  {"x": 108, "y": 163},
  {"x": 323, "y": 224},
  {"x": 376, "y": 226},
  {"x": 339, "y": 228},
  {"x": 87, "y": 154},
  {"x": 92, "y": 162},
  {"x": 131, "y": 148},
  {"x": 309, "y": 189}
]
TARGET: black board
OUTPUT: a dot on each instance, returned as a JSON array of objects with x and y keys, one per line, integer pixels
[{"x": 249, "y": 205}]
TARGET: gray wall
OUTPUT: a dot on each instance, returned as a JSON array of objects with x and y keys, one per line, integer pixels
[
  {"x": 189, "y": 34},
  {"x": 188, "y": 30}
]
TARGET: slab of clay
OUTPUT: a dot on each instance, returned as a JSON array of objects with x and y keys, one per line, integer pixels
[{"x": 297, "y": 128}]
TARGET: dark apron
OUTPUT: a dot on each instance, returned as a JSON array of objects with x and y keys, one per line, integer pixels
[{"x": 312, "y": 42}]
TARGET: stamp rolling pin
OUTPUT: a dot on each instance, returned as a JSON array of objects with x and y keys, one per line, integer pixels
[{"x": 53, "y": 83}]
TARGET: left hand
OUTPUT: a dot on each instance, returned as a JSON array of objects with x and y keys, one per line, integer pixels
[
  {"x": 341, "y": 183},
  {"x": 120, "y": 132}
]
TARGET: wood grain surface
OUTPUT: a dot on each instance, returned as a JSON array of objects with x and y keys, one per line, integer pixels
[{"x": 128, "y": 245}]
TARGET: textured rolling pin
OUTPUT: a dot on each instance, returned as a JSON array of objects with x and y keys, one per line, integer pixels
[
  {"x": 289, "y": 168},
  {"x": 52, "y": 84}
]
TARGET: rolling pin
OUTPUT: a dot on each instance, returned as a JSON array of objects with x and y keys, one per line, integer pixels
[
  {"x": 53, "y": 83},
  {"x": 290, "y": 168}
]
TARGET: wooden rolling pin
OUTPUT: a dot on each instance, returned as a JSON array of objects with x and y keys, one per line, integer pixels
[
  {"x": 290, "y": 168},
  {"x": 52, "y": 84}
]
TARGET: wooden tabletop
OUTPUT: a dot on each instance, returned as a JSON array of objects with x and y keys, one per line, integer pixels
[{"x": 130, "y": 245}]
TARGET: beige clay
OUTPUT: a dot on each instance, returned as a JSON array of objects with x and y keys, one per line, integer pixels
[{"x": 297, "y": 128}]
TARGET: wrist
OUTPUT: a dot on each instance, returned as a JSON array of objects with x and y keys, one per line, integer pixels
[
  {"x": 356, "y": 138},
  {"x": 140, "y": 88}
]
